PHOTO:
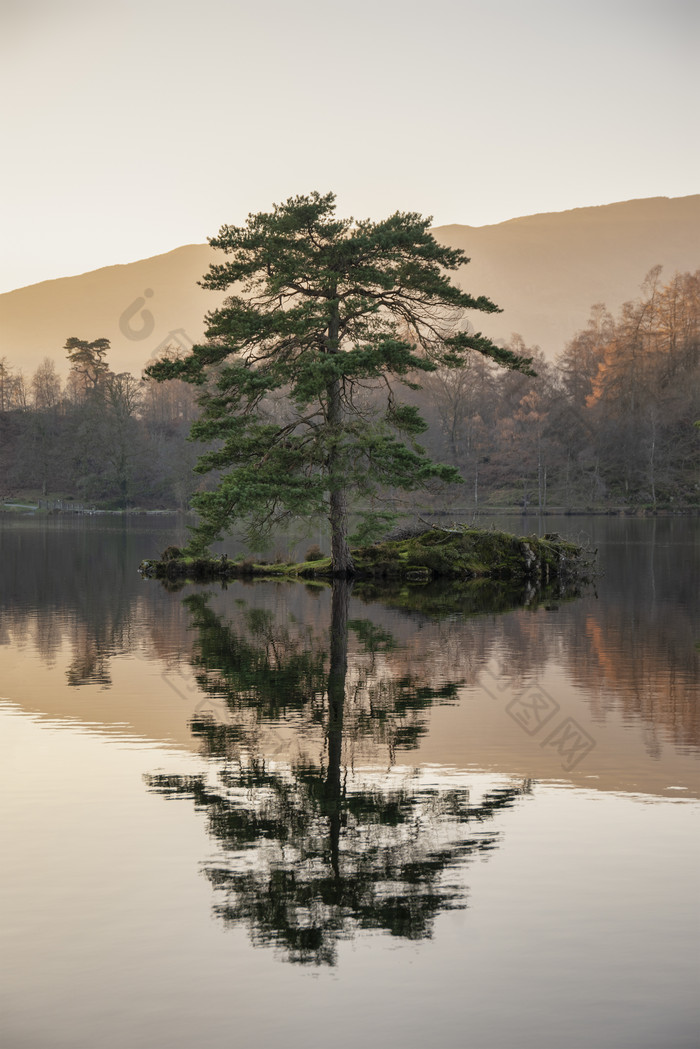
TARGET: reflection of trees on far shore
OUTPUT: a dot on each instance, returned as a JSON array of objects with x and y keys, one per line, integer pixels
[
  {"x": 313, "y": 847},
  {"x": 71, "y": 584}
]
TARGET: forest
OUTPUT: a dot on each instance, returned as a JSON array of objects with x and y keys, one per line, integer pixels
[{"x": 611, "y": 423}]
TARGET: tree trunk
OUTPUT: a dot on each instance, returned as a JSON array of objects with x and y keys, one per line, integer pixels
[
  {"x": 652, "y": 457},
  {"x": 341, "y": 558}
]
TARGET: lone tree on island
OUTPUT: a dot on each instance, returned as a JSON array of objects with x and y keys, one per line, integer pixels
[{"x": 323, "y": 310}]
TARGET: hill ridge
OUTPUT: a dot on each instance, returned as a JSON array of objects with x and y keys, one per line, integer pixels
[{"x": 545, "y": 270}]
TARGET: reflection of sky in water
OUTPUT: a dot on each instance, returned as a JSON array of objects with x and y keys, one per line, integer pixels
[{"x": 578, "y": 926}]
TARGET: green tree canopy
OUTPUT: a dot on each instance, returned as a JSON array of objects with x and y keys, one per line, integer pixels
[{"x": 325, "y": 313}]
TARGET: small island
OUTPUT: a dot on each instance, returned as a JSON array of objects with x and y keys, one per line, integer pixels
[{"x": 458, "y": 554}]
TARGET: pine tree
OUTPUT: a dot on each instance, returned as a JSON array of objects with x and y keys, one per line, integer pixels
[
  {"x": 325, "y": 312},
  {"x": 88, "y": 366}
]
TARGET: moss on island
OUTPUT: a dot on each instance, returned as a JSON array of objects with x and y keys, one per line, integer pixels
[{"x": 467, "y": 554}]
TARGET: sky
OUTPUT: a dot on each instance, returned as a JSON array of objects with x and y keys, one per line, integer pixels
[{"x": 131, "y": 128}]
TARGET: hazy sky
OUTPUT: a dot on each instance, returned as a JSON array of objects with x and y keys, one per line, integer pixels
[{"x": 131, "y": 128}]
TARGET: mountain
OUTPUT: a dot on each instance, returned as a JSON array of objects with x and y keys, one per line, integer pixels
[
  {"x": 545, "y": 271},
  {"x": 36, "y": 321}
]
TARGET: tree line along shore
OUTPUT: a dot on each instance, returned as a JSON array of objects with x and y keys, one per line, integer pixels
[{"x": 609, "y": 426}]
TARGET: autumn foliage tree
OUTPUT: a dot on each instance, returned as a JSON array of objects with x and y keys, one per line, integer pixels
[{"x": 645, "y": 392}]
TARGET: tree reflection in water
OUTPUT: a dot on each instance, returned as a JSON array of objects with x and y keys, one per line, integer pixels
[{"x": 315, "y": 849}]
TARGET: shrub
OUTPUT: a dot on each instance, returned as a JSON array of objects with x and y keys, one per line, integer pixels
[{"x": 171, "y": 553}]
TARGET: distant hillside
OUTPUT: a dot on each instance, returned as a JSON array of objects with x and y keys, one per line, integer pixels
[
  {"x": 544, "y": 270},
  {"x": 36, "y": 321}
]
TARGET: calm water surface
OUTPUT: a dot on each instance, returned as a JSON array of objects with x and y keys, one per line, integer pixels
[{"x": 270, "y": 815}]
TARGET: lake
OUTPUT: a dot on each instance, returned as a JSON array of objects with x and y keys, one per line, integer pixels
[{"x": 272, "y": 815}]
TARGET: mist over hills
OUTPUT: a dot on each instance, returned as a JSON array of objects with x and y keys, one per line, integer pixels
[{"x": 545, "y": 271}]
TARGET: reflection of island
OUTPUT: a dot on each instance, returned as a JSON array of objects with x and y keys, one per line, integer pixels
[{"x": 314, "y": 850}]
